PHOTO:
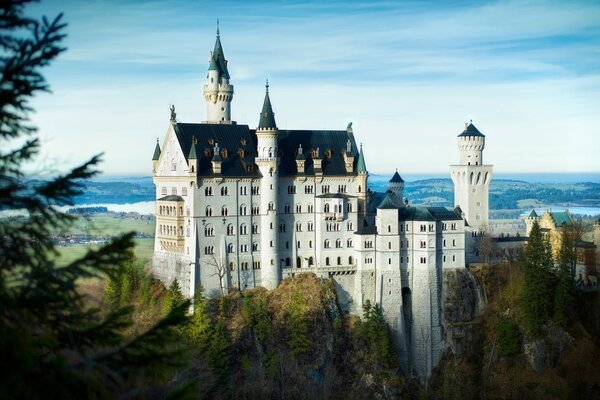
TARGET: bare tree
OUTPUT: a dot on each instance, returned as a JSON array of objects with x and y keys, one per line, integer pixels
[
  {"x": 221, "y": 271},
  {"x": 483, "y": 244}
]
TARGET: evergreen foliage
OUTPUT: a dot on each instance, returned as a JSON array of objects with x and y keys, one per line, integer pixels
[
  {"x": 56, "y": 345},
  {"x": 174, "y": 296},
  {"x": 509, "y": 338},
  {"x": 199, "y": 329},
  {"x": 536, "y": 295},
  {"x": 376, "y": 332}
]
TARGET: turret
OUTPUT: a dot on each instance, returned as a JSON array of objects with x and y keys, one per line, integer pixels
[
  {"x": 362, "y": 180},
  {"x": 529, "y": 220},
  {"x": 472, "y": 178},
  {"x": 268, "y": 164},
  {"x": 218, "y": 93},
  {"x": 193, "y": 159},
  {"x": 471, "y": 143},
  {"x": 396, "y": 185},
  {"x": 155, "y": 157}
]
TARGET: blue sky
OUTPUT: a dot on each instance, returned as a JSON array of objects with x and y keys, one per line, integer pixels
[{"x": 407, "y": 74}]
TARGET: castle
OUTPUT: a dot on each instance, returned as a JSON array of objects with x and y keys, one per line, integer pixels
[{"x": 240, "y": 207}]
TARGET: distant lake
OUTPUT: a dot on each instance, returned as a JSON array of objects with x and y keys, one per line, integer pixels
[
  {"x": 573, "y": 210},
  {"x": 143, "y": 207}
]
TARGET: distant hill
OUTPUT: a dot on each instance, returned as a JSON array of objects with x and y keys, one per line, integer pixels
[{"x": 506, "y": 195}]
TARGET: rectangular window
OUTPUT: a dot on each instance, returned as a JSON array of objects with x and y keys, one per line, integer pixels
[
  {"x": 183, "y": 191},
  {"x": 164, "y": 190}
]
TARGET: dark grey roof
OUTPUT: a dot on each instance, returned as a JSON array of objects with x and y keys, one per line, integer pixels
[
  {"x": 367, "y": 230},
  {"x": 231, "y": 137},
  {"x": 584, "y": 244},
  {"x": 234, "y": 138},
  {"x": 533, "y": 214},
  {"x": 361, "y": 166},
  {"x": 334, "y": 196},
  {"x": 192, "y": 155},
  {"x": 334, "y": 141},
  {"x": 267, "y": 117},
  {"x": 470, "y": 130},
  {"x": 219, "y": 58},
  {"x": 171, "y": 197},
  {"x": 422, "y": 213},
  {"x": 390, "y": 201},
  {"x": 156, "y": 155},
  {"x": 510, "y": 239},
  {"x": 396, "y": 178}
]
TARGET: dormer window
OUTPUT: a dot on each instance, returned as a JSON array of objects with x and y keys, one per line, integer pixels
[
  {"x": 313, "y": 153},
  {"x": 211, "y": 141},
  {"x": 243, "y": 142},
  {"x": 224, "y": 153},
  {"x": 207, "y": 153},
  {"x": 328, "y": 153},
  {"x": 241, "y": 153}
]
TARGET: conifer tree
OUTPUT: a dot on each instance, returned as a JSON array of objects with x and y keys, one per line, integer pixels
[
  {"x": 564, "y": 280},
  {"x": 536, "y": 296},
  {"x": 54, "y": 345}
]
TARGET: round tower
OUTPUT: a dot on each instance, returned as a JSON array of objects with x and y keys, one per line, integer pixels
[
  {"x": 470, "y": 145},
  {"x": 396, "y": 185},
  {"x": 472, "y": 178},
  {"x": 268, "y": 162},
  {"x": 218, "y": 93}
]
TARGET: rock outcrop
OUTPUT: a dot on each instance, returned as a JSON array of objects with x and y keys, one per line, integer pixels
[{"x": 463, "y": 303}]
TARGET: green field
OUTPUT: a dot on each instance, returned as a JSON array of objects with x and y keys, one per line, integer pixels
[{"x": 108, "y": 225}]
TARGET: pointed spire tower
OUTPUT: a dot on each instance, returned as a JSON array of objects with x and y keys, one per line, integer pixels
[
  {"x": 396, "y": 185},
  {"x": 472, "y": 178},
  {"x": 268, "y": 164},
  {"x": 363, "y": 180},
  {"x": 218, "y": 93},
  {"x": 155, "y": 157}
]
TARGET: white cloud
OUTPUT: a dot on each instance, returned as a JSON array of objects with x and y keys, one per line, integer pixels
[{"x": 407, "y": 77}]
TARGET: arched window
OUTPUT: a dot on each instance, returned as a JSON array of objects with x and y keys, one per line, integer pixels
[
  {"x": 254, "y": 246},
  {"x": 349, "y": 243},
  {"x": 338, "y": 243},
  {"x": 326, "y": 260},
  {"x": 339, "y": 261},
  {"x": 349, "y": 207},
  {"x": 326, "y": 209},
  {"x": 224, "y": 211},
  {"x": 350, "y": 260},
  {"x": 230, "y": 230},
  {"x": 288, "y": 262},
  {"x": 327, "y": 244},
  {"x": 243, "y": 229},
  {"x": 208, "y": 191},
  {"x": 230, "y": 248},
  {"x": 208, "y": 211},
  {"x": 209, "y": 231},
  {"x": 311, "y": 261},
  {"x": 243, "y": 209}
]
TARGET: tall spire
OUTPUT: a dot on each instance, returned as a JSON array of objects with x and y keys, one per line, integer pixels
[
  {"x": 156, "y": 155},
  {"x": 218, "y": 57},
  {"x": 267, "y": 117},
  {"x": 360, "y": 165}
]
